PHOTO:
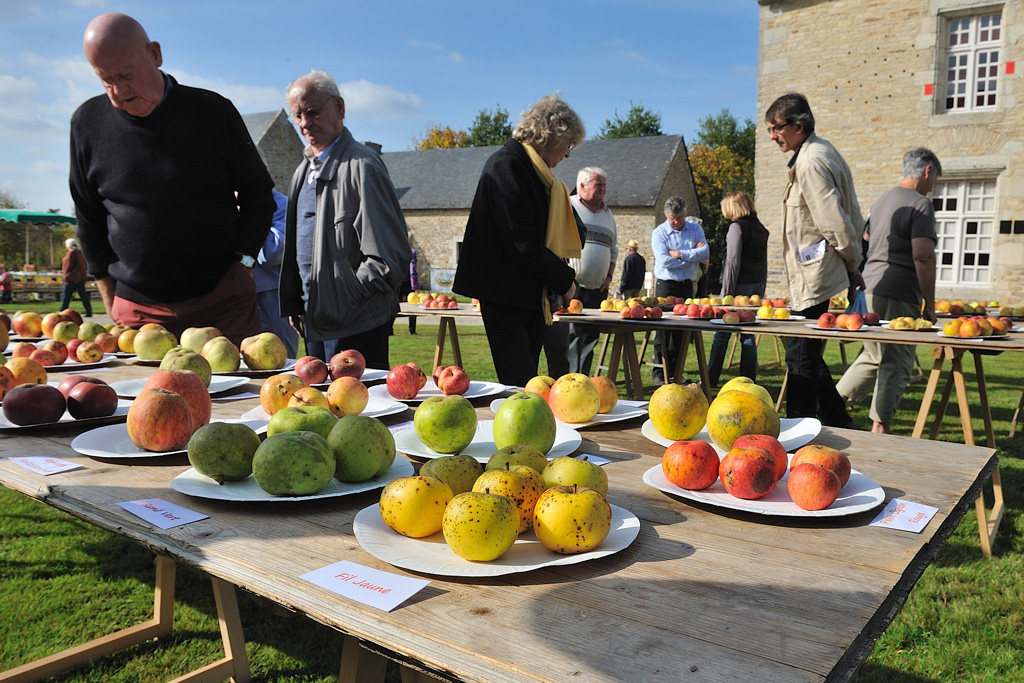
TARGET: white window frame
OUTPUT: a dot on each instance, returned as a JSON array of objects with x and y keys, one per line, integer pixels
[
  {"x": 966, "y": 226},
  {"x": 971, "y": 57}
]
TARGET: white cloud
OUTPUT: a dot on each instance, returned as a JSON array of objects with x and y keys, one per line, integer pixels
[
  {"x": 378, "y": 102},
  {"x": 446, "y": 54},
  {"x": 246, "y": 98}
]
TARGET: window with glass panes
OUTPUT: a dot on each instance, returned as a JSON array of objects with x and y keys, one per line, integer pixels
[
  {"x": 965, "y": 217},
  {"x": 972, "y": 62}
]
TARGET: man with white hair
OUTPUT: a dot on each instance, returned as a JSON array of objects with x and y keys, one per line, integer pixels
[
  {"x": 74, "y": 272},
  {"x": 346, "y": 243},
  {"x": 596, "y": 263}
]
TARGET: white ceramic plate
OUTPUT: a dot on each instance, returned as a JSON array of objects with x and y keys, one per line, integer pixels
[
  {"x": 369, "y": 375},
  {"x": 243, "y": 369},
  {"x": 483, "y": 446},
  {"x": 375, "y": 407},
  {"x": 973, "y": 339},
  {"x": 191, "y": 483},
  {"x": 814, "y": 326},
  {"x": 617, "y": 414},
  {"x": 67, "y": 421},
  {"x": 72, "y": 366},
  {"x": 112, "y": 442},
  {"x": 431, "y": 555},
  {"x": 794, "y": 433},
  {"x": 476, "y": 390},
  {"x": 860, "y": 494},
  {"x": 131, "y": 388},
  {"x": 719, "y": 321}
]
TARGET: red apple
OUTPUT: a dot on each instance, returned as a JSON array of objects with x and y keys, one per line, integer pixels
[
  {"x": 71, "y": 381},
  {"x": 854, "y": 321},
  {"x": 813, "y": 487},
  {"x": 872, "y": 319},
  {"x": 420, "y": 375},
  {"x": 679, "y": 309},
  {"x": 348, "y": 363},
  {"x": 748, "y": 473},
  {"x": 190, "y": 387},
  {"x": 312, "y": 369},
  {"x": 691, "y": 465},
  {"x": 437, "y": 373},
  {"x": 403, "y": 382},
  {"x": 837, "y": 461},
  {"x": 72, "y": 315},
  {"x": 453, "y": 380},
  {"x": 693, "y": 311},
  {"x": 826, "y": 321},
  {"x": 89, "y": 399},
  {"x": 44, "y": 357},
  {"x": 707, "y": 312},
  {"x": 57, "y": 348},
  {"x": 22, "y": 349}
]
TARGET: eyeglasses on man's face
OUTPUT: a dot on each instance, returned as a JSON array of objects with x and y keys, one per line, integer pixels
[{"x": 773, "y": 129}]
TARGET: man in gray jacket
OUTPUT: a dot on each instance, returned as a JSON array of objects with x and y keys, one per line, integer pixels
[{"x": 346, "y": 243}]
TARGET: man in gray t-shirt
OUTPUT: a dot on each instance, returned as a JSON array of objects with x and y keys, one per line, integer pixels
[{"x": 899, "y": 275}]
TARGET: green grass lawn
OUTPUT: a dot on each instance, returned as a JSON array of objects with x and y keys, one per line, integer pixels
[{"x": 65, "y": 581}]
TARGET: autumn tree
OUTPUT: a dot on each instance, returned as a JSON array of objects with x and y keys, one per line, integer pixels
[
  {"x": 639, "y": 122},
  {"x": 490, "y": 128},
  {"x": 723, "y": 130},
  {"x": 442, "y": 138}
]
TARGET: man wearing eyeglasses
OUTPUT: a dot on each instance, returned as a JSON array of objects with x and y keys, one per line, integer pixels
[
  {"x": 822, "y": 231},
  {"x": 155, "y": 170},
  {"x": 346, "y": 243}
]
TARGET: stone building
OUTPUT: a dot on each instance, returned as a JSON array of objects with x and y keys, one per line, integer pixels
[
  {"x": 274, "y": 134},
  {"x": 436, "y": 187},
  {"x": 885, "y": 76}
]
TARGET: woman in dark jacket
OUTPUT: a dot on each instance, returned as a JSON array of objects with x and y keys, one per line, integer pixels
[
  {"x": 744, "y": 271},
  {"x": 521, "y": 228}
]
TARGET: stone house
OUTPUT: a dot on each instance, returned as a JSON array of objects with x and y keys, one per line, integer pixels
[
  {"x": 436, "y": 187},
  {"x": 274, "y": 134},
  {"x": 884, "y": 77}
]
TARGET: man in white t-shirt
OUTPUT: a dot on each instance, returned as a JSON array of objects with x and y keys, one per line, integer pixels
[{"x": 596, "y": 264}]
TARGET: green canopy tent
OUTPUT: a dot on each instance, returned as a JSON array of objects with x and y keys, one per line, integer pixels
[{"x": 38, "y": 217}]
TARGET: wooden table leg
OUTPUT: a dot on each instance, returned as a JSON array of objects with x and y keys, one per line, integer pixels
[
  {"x": 234, "y": 665},
  {"x": 938, "y": 358},
  {"x": 359, "y": 665},
  {"x": 446, "y": 327},
  {"x": 627, "y": 344}
]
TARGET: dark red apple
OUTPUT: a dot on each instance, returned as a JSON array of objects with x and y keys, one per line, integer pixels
[
  {"x": 71, "y": 381},
  {"x": 92, "y": 400},
  {"x": 453, "y": 380},
  {"x": 312, "y": 369},
  {"x": 32, "y": 404},
  {"x": 348, "y": 363}
]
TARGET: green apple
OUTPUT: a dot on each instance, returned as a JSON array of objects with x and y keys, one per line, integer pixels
[
  {"x": 746, "y": 384},
  {"x": 414, "y": 506},
  {"x": 525, "y": 418},
  {"x": 570, "y": 519},
  {"x": 193, "y": 338},
  {"x": 458, "y": 471},
  {"x": 517, "y": 454},
  {"x": 566, "y": 471},
  {"x": 87, "y": 331},
  {"x": 446, "y": 424},
  {"x": 223, "y": 451},
  {"x": 222, "y": 355},
  {"x": 363, "y": 447},
  {"x": 65, "y": 331},
  {"x": 520, "y": 483},
  {"x": 264, "y": 351},
  {"x": 316, "y": 419},
  {"x": 480, "y": 527},
  {"x": 293, "y": 464},
  {"x": 152, "y": 344},
  {"x": 180, "y": 358}
]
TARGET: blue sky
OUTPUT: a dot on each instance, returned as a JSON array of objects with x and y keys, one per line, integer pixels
[{"x": 402, "y": 65}]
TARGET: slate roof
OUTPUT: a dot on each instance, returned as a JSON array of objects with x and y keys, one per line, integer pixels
[
  {"x": 258, "y": 123},
  {"x": 637, "y": 169}
]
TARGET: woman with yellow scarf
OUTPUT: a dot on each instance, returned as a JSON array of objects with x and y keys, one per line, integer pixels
[{"x": 521, "y": 229}]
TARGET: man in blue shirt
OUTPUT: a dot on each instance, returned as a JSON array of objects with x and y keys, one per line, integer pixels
[{"x": 678, "y": 246}]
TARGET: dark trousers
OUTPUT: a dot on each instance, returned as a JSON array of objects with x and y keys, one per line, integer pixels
[
  {"x": 373, "y": 344},
  {"x": 669, "y": 342},
  {"x": 583, "y": 338},
  {"x": 556, "y": 349},
  {"x": 515, "y": 337},
  {"x": 72, "y": 288},
  {"x": 811, "y": 391},
  {"x": 748, "y": 349}
]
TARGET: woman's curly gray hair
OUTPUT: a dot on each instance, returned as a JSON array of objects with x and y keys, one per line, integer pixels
[{"x": 548, "y": 121}]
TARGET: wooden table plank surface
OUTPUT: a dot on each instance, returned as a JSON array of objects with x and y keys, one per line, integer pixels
[{"x": 703, "y": 593}]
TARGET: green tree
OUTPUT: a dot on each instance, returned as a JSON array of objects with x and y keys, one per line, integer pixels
[
  {"x": 724, "y": 131},
  {"x": 490, "y": 128},
  {"x": 9, "y": 201},
  {"x": 442, "y": 138},
  {"x": 639, "y": 122}
]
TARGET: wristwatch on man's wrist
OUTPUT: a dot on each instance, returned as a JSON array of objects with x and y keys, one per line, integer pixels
[{"x": 246, "y": 260}]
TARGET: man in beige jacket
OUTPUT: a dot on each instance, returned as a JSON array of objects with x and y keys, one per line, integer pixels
[{"x": 822, "y": 231}]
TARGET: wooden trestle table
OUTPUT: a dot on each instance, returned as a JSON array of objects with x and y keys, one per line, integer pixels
[{"x": 703, "y": 593}]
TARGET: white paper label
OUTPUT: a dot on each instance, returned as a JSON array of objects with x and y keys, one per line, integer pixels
[
  {"x": 401, "y": 427},
  {"x": 366, "y": 585},
  {"x": 905, "y": 515},
  {"x": 162, "y": 514},
  {"x": 812, "y": 252},
  {"x": 45, "y": 465}
]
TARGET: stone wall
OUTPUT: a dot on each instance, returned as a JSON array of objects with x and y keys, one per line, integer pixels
[{"x": 866, "y": 66}]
